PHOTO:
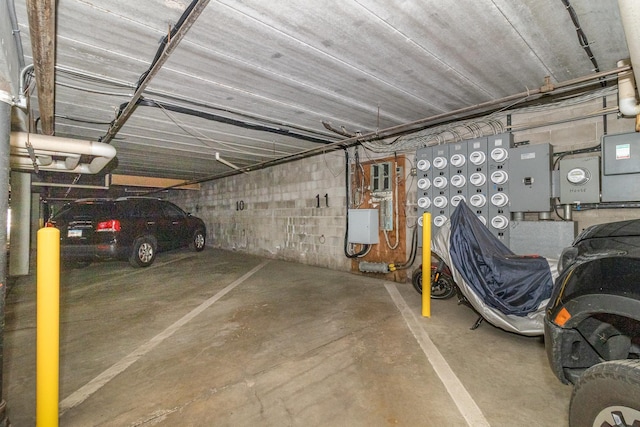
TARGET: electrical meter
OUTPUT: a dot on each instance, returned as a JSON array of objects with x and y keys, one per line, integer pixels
[
  {"x": 424, "y": 202},
  {"x": 499, "y": 154},
  {"x": 458, "y": 181},
  {"x": 440, "y": 182},
  {"x": 455, "y": 200},
  {"x": 499, "y": 199},
  {"x": 439, "y": 220},
  {"x": 478, "y": 200},
  {"x": 424, "y": 165},
  {"x": 424, "y": 183},
  {"x": 578, "y": 176},
  {"x": 440, "y": 202},
  {"x": 478, "y": 179},
  {"x": 477, "y": 158},
  {"x": 458, "y": 160},
  {"x": 499, "y": 177},
  {"x": 440, "y": 163}
]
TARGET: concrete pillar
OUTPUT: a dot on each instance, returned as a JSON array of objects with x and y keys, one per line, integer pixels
[
  {"x": 20, "y": 223},
  {"x": 5, "y": 133},
  {"x": 36, "y": 220}
]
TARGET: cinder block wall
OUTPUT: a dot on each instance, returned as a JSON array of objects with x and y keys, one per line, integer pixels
[{"x": 274, "y": 212}]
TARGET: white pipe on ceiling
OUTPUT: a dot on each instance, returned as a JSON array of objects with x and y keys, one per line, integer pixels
[
  {"x": 630, "y": 15},
  {"x": 67, "y": 151}
]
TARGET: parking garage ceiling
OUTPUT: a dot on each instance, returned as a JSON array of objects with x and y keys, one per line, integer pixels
[{"x": 252, "y": 81}]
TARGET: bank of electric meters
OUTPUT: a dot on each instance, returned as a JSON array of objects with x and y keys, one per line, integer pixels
[{"x": 473, "y": 171}]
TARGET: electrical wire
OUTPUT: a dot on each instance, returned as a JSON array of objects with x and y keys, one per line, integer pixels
[
  {"x": 365, "y": 248},
  {"x": 226, "y": 120},
  {"x": 582, "y": 37}
]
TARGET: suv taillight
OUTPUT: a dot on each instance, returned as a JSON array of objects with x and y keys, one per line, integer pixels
[{"x": 110, "y": 225}]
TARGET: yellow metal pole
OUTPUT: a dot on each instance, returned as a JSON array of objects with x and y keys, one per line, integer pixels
[
  {"x": 47, "y": 327},
  {"x": 426, "y": 264}
]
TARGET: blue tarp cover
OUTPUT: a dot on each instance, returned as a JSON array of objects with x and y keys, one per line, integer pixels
[{"x": 507, "y": 282}]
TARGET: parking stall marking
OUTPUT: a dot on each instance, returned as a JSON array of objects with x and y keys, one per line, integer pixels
[
  {"x": 84, "y": 392},
  {"x": 461, "y": 397}
]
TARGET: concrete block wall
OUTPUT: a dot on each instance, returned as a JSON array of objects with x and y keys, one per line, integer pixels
[{"x": 274, "y": 212}]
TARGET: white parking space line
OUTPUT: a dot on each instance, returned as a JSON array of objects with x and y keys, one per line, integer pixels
[
  {"x": 98, "y": 382},
  {"x": 461, "y": 397}
]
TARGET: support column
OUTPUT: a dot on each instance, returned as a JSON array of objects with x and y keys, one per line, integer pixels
[
  {"x": 20, "y": 223},
  {"x": 5, "y": 133}
]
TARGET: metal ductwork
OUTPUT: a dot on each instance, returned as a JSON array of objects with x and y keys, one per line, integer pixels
[
  {"x": 630, "y": 15},
  {"x": 56, "y": 154}
]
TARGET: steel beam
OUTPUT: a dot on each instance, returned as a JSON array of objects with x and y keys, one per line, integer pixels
[
  {"x": 42, "y": 27},
  {"x": 171, "y": 44}
]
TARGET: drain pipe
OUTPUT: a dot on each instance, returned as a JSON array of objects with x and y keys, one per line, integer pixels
[
  {"x": 630, "y": 16},
  {"x": 627, "y": 102}
]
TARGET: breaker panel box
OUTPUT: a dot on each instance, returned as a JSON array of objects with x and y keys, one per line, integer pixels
[
  {"x": 363, "y": 226},
  {"x": 580, "y": 180},
  {"x": 530, "y": 188},
  {"x": 621, "y": 167}
]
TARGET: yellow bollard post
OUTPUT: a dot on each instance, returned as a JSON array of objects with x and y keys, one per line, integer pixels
[
  {"x": 426, "y": 264},
  {"x": 47, "y": 327}
]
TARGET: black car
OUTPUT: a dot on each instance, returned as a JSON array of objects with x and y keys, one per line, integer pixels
[
  {"x": 592, "y": 325},
  {"x": 133, "y": 228}
]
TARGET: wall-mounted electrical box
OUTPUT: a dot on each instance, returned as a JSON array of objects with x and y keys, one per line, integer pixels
[
  {"x": 363, "y": 226},
  {"x": 580, "y": 180},
  {"x": 530, "y": 189},
  {"x": 381, "y": 176},
  {"x": 621, "y": 167}
]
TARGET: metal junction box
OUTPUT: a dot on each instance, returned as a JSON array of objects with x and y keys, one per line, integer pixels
[
  {"x": 621, "y": 167},
  {"x": 530, "y": 170},
  {"x": 363, "y": 226},
  {"x": 580, "y": 180}
]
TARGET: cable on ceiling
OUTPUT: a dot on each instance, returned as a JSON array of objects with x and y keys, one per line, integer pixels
[
  {"x": 166, "y": 39},
  {"x": 145, "y": 102},
  {"x": 582, "y": 37}
]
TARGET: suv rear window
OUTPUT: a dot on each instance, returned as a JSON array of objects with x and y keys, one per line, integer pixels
[{"x": 87, "y": 211}]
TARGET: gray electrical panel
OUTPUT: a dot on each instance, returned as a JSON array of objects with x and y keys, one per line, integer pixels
[
  {"x": 499, "y": 183},
  {"x": 440, "y": 206},
  {"x": 621, "y": 167},
  {"x": 462, "y": 172},
  {"x": 530, "y": 183},
  {"x": 478, "y": 169},
  {"x": 424, "y": 173},
  {"x": 580, "y": 180},
  {"x": 545, "y": 238},
  {"x": 363, "y": 226}
]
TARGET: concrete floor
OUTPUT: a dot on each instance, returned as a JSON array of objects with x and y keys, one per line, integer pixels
[{"x": 225, "y": 339}]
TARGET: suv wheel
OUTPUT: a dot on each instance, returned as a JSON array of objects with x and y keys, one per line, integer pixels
[
  {"x": 607, "y": 394},
  {"x": 198, "y": 241},
  {"x": 143, "y": 252}
]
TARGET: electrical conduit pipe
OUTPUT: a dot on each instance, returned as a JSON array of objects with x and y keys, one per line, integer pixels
[
  {"x": 630, "y": 16},
  {"x": 47, "y": 147}
]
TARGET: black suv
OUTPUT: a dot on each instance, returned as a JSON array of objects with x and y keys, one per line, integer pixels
[
  {"x": 132, "y": 228},
  {"x": 592, "y": 325}
]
